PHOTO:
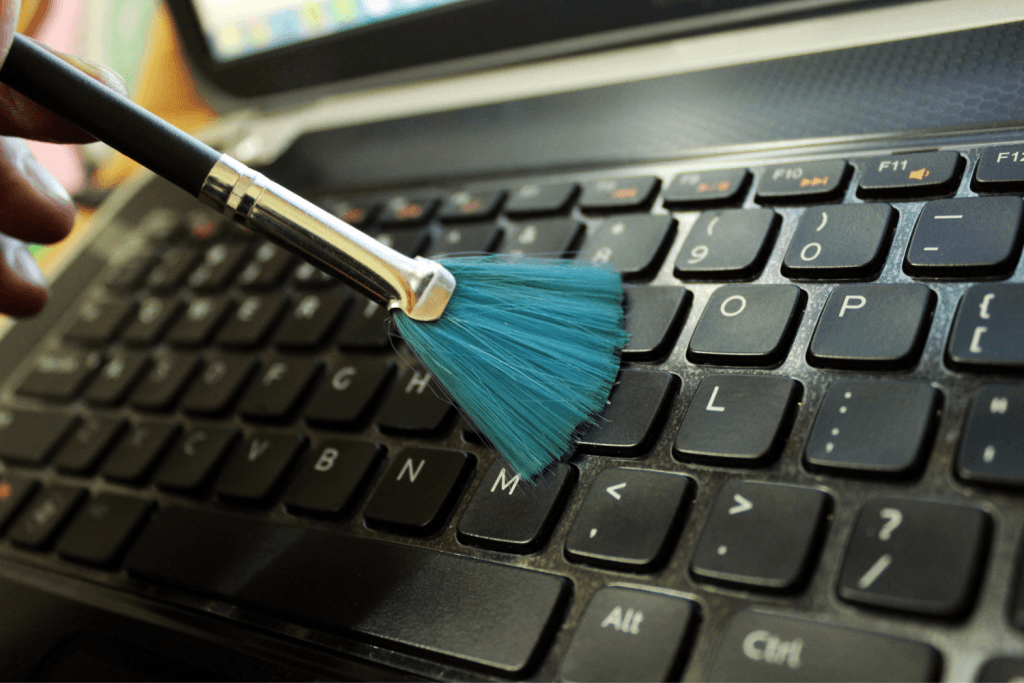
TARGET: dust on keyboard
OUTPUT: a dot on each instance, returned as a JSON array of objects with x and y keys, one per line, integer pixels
[{"x": 806, "y": 470}]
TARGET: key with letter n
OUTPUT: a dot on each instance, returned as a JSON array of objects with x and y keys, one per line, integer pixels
[{"x": 418, "y": 490}]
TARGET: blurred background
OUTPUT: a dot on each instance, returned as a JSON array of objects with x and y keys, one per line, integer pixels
[{"x": 135, "y": 38}]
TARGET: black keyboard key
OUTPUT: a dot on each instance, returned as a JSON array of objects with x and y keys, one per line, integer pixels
[
  {"x": 276, "y": 391},
  {"x": 895, "y": 539},
  {"x": 911, "y": 175},
  {"x": 634, "y": 244},
  {"x": 355, "y": 212},
  {"x": 308, "y": 276},
  {"x": 844, "y": 241},
  {"x": 129, "y": 275},
  {"x": 40, "y": 520},
  {"x": 1002, "y": 670},
  {"x": 417, "y": 406},
  {"x": 202, "y": 317},
  {"x": 508, "y": 514},
  {"x": 408, "y": 210},
  {"x": 986, "y": 329},
  {"x": 14, "y": 492},
  {"x": 408, "y": 242},
  {"x": 764, "y": 647},
  {"x": 254, "y": 469},
  {"x": 138, "y": 451},
  {"x": 469, "y": 239},
  {"x": 252, "y": 320},
  {"x": 217, "y": 384},
  {"x": 619, "y": 193},
  {"x": 367, "y": 326},
  {"x": 872, "y": 326},
  {"x": 874, "y": 428},
  {"x": 175, "y": 263},
  {"x": 991, "y": 448},
  {"x": 163, "y": 384},
  {"x": 351, "y": 390},
  {"x": 331, "y": 477},
  {"x": 418, "y": 490},
  {"x": 737, "y": 420},
  {"x": 304, "y": 574},
  {"x": 117, "y": 377},
  {"x": 190, "y": 462},
  {"x": 632, "y": 417},
  {"x": 267, "y": 268},
  {"x": 202, "y": 226},
  {"x": 761, "y": 536},
  {"x": 98, "y": 321},
  {"x": 61, "y": 375},
  {"x": 163, "y": 225},
  {"x": 102, "y": 528},
  {"x": 811, "y": 180},
  {"x": 29, "y": 436},
  {"x": 970, "y": 236},
  {"x": 747, "y": 325},
  {"x": 654, "y": 316},
  {"x": 308, "y": 323},
  {"x": 218, "y": 267},
  {"x": 532, "y": 199},
  {"x": 82, "y": 451},
  {"x": 469, "y": 205},
  {"x": 727, "y": 244},
  {"x": 629, "y": 518},
  {"x": 1000, "y": 169},
  {"x": 154, "y": 316},
  {"x": 627, "y": 634},
  {"x": 707, "y": 187},
  {"x": 552, "y": 237}
]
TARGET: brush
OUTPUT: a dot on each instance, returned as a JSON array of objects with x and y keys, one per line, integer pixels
[{"x": 527, "y": 348}]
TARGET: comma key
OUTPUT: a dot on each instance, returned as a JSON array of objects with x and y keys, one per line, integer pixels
[{"x": 765, "y": 647}]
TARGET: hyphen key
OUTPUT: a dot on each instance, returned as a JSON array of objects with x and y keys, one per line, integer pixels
[{"x": 482, "y": 613}]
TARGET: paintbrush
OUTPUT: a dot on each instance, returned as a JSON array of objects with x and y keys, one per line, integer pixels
[{"x": 527, "y": 348}]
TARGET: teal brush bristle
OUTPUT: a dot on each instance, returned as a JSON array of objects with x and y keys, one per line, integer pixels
[{"x": 528, "y": 348}]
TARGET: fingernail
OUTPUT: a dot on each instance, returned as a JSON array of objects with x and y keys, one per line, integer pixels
[
  {"x": 17, "y": 255},
  {"x": 101, "y": 72},
  {"x": 26, "y": 162}
]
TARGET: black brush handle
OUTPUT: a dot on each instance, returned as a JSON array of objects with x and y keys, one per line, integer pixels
[{"x": 50, "y": 81}]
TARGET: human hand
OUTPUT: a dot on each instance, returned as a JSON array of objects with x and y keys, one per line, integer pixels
[{"x": 34, "y": 207}]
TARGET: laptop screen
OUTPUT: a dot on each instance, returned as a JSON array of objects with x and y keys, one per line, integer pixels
[{"x": 241, "y": 28}]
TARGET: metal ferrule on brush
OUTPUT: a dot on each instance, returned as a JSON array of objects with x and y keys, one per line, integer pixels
[{"x": 419, "y": 287}]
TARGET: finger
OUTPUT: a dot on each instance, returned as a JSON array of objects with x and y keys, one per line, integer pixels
[
  {"x": 33, "y": 206},
  {"x": 22, "y": 285},
  {"x": 21, "y": 117}
]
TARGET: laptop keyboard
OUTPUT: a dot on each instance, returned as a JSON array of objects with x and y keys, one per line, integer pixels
[{"x": 808, "y": 469}]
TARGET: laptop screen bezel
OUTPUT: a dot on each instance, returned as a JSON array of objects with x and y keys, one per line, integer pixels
[{"x": 471, "y": 35}]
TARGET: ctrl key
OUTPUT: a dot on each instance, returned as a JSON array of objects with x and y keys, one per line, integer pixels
[
  {"x": 627, "y": 634},
  {"x": 764, "y": 647}
]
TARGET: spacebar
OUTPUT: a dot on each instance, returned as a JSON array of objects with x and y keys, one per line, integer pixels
[{"x": 481, "y": 612}]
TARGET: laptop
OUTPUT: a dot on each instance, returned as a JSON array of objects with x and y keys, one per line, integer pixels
[{"x": 220, "y": 464}]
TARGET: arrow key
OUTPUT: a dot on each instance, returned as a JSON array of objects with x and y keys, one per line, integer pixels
[
  {"x": 763, "y": 536},
  {"x": 629, "y": 518}
]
